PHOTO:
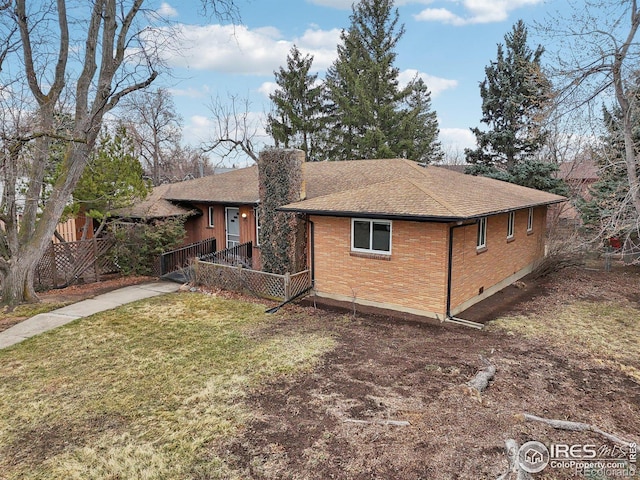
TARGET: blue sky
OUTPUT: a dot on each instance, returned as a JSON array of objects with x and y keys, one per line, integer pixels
[{"x": 447, "y": 42}]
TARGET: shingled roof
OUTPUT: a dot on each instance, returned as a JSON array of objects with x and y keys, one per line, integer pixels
[
  {"x": 383, "y": 188},
  {"x": 236, "y": 186},
  {"x": 402, "y": 188},
  {"x": 155, "y": 206}
]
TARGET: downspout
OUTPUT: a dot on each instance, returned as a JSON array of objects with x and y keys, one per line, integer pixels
[
  {"x": 450, "y": 267},
  {"x": 312, "y": 252},
  {"x": 448, "y": 316}
]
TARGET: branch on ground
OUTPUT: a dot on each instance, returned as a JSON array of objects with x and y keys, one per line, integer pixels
[{"x": 576, "y": 427}]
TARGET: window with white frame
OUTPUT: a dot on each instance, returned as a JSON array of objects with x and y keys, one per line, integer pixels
[
  {"x": 211, "y": 217},
  {"x": 511, "y": 222},
  {"x": 530, "y": 220},
  {"x": 258, "y": 226},
  {"x": 371, "y": 236},
  {"x": 482, "y": 233}
]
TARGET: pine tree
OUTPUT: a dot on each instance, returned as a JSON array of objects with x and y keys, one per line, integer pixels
[
  {"x": 368, "y": 114},
  {"x": 296, "y": 118},
  {"x": 419, "y": 128},
  {"x": 515, "y": 95},
  {"x": 113, "y": 179}
]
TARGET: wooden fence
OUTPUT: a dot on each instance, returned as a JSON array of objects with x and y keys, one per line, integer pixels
[
  {"x": 263, "y": 284},
  {"x": 67, "y": 262}
]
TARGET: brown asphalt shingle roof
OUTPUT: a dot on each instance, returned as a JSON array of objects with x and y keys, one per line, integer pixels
[
  {"x": 391, "y": 187},
  {"x": 237, "y": 186},
  {"x": 402, "y": 188},
  {"x": 154, "y": 206}
]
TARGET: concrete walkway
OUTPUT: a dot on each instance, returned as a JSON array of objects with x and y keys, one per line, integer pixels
[{"x": 106, "y": 301}]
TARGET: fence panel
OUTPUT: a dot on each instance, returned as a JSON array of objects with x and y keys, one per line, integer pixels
[
  {"x": 65, "y": 262},
  {"x": 262, "y": 284}
]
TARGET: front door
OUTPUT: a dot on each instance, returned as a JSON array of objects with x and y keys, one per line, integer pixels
[{"x": 233, "y": 226}]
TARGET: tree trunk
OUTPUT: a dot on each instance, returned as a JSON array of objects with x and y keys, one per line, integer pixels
[{"x": 17, "y": 284}]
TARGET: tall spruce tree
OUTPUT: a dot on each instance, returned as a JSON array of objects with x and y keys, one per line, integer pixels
[
  {"x": 418, "y": 134},
  {"x": 368, "y": 114},
  {"x": 297, "y": 115},
  {"x": 515, "y": 96}
]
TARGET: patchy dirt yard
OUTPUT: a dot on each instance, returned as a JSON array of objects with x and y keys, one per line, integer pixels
[
  {"x": 566, "y": 346},
  {"x": 331, "y": 422}
]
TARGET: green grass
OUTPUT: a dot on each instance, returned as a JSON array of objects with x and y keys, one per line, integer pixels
[
  {"x": 144, "y": 391},
  {"x": 30, "y": 309},
  {"x": 607, "y": 331}
]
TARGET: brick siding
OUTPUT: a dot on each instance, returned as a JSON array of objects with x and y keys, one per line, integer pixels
[{"x": 415, "y": 275}]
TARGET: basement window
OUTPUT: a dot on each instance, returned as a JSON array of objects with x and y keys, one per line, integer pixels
[
  {"x": 371, "y": 236},
  {"x": 481, "y": 243}
]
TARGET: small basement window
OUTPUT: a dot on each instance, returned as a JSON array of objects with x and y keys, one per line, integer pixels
[{"x": 371, "y": 236}]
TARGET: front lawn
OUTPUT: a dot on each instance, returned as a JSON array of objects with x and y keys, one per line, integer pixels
[
  {"x": 145, "y": 391},
  {"x": 193, "y": 386}
]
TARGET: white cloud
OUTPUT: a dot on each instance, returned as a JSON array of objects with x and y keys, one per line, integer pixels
[
  {"x": 268, "y": 88},
  {"x": 476, "y": 11},
  {"x": 346, "y": 4},
  {"x": 191, "y": 92},
  {"x": 457, "y": 139},
  {"x": 167, "y": 11},
  {"x": 340, "y": 4},
  {"x": 441, "y": 15},
  {"x": 436, "y": 85},
  {"x": 238, "y": 49}
]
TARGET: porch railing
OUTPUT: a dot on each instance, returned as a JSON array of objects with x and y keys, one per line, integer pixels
[
  {"x": 180, "y": 258},
  {"x": 240, "y": 255}
]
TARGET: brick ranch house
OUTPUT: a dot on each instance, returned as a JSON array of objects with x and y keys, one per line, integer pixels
[{"x": 390, "y": 234}]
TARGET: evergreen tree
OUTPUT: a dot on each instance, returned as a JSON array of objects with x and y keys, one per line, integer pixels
[
  {"x": 113, "y": 179},
  {"x": 296, "y": 118},
  {"x": 368, "y": 114},
  {"x": 515, "y": 96},
  {"x": 419, "y": 127}
]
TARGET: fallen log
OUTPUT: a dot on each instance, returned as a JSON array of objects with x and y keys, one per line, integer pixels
[
  {"x": 576, "y": 427},
  {"x": 481, "y": 380},
  {"x": 396, "y": 423}
]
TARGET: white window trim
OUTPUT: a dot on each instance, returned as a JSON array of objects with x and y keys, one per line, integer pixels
[
  {"x": 511, "y": 225},
  {"x": 371, "y": 222},
  {"x": 530, "y": 220},
  {"x": 481, "y": 241},
  {"x": 256, "y": 214},
  {"x": 211, "y": 219}
]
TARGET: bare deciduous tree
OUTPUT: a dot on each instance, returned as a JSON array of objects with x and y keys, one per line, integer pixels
[
  {"x": 234, "y": 129},
  {"x": 113, "y": 60},
  {"x": 151, "y": 119},
  {"x": 597, "y": 61}
]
